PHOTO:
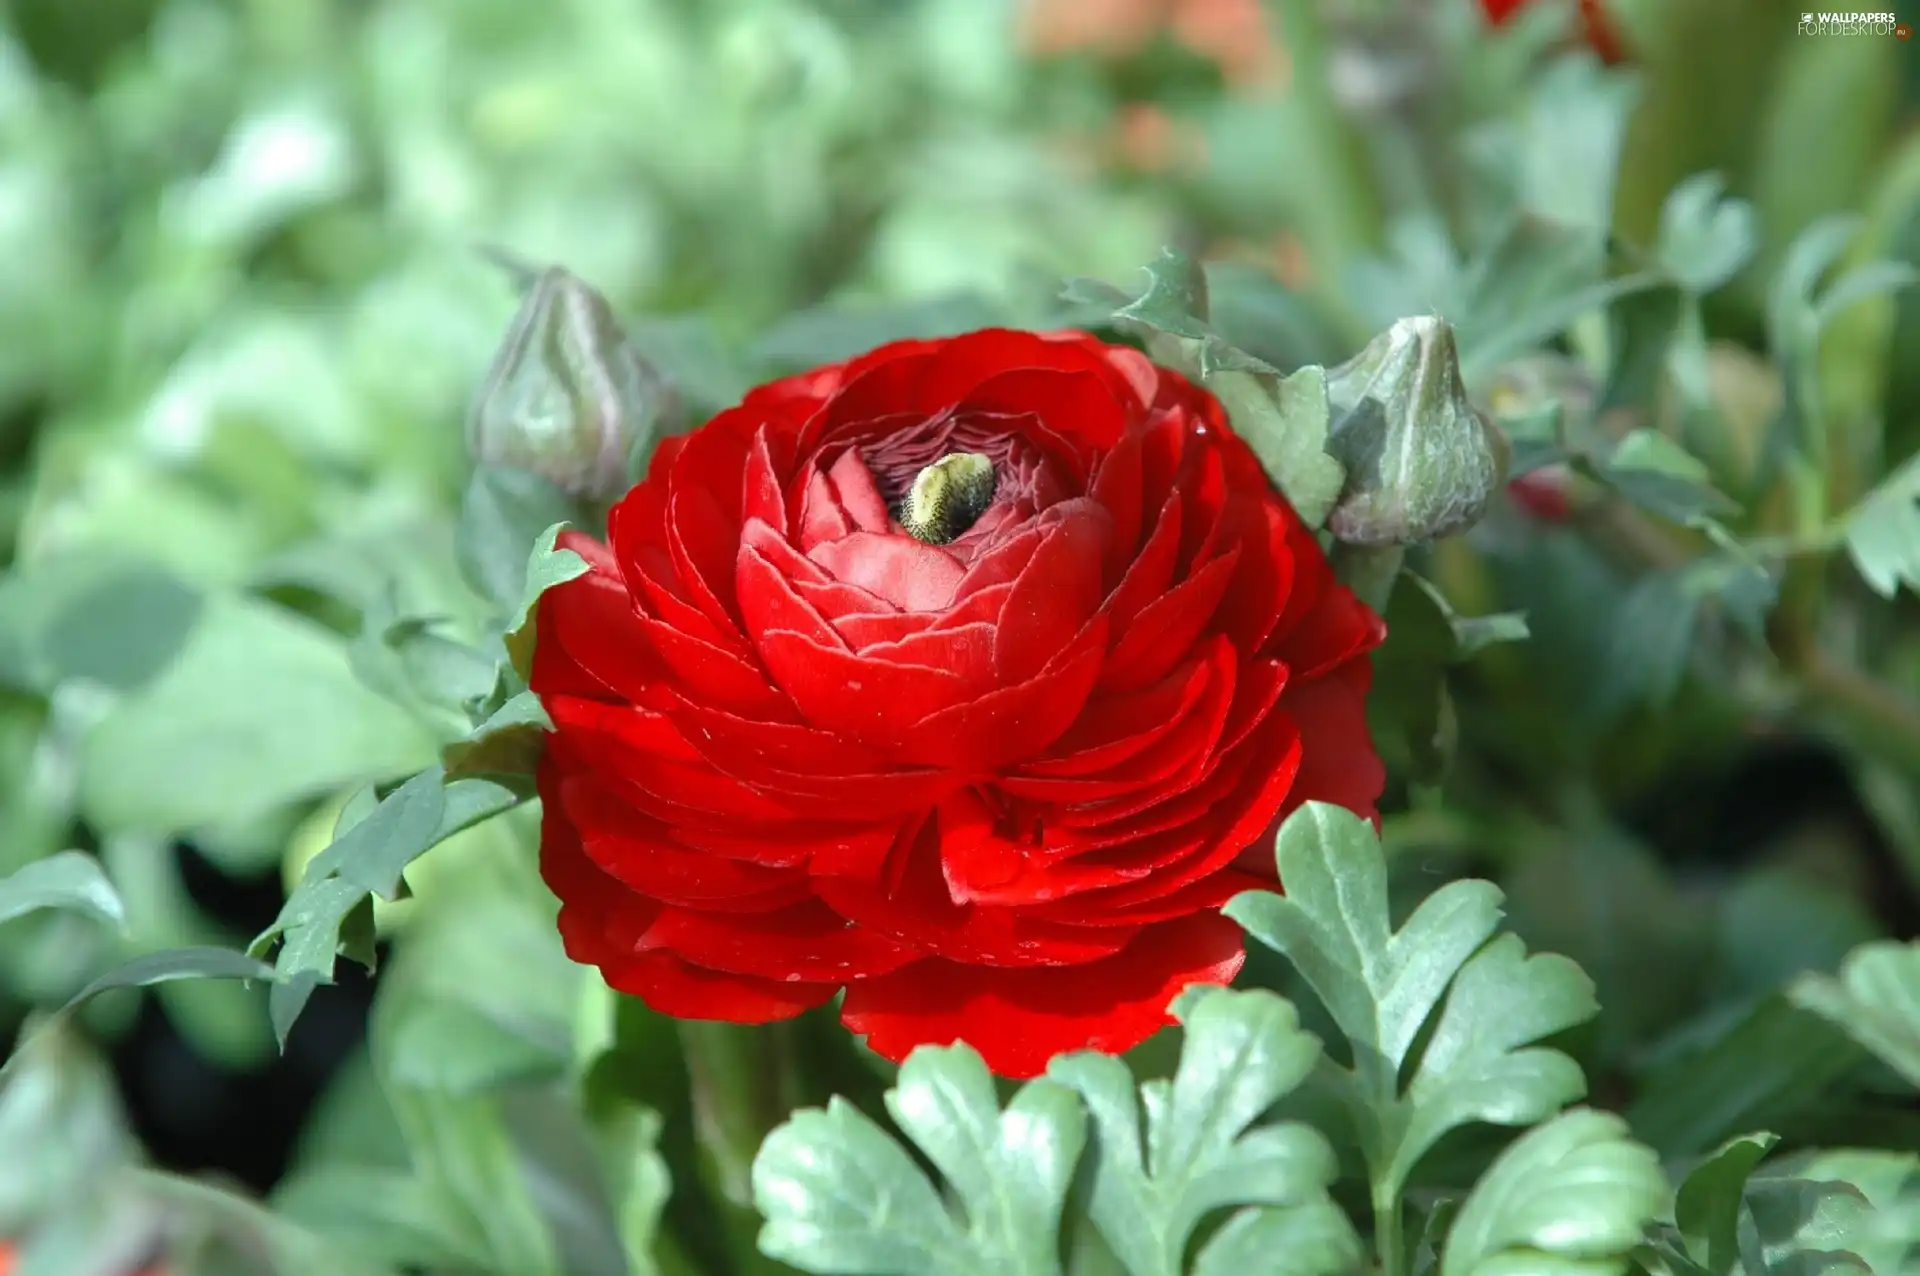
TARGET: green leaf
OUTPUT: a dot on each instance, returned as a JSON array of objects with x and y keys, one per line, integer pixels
[
  {"x": 1705, "y": 239},
  {"x": 144, "y": 971},
  {"x": 1285, "y": 420},
  {"x": 1286, "y": 423},
  {"x": 502, "y": 515},
  {"x": 468, "y": 1165},
  {"x": 1570, "y": 140},
  {"x": 839, "y": 1195},
  {"x": 831, "y": 334},
  {"x": 383, "y": 1214},
  {"x": 1536, "y": 280},
  {"x": 244, "y": 1226},
  {"x": 1201, "y": 1151},
  {"x": 259, "y": 711},
  {"x": 63, "y": 1122},
  {"x": 1660, "y": 477},
  {"x": 481, "y": 997},
  {"x": 546, "y": 567},
  {"x": 1315, "y": 1238},
  {"x": 508, "y": 743},
  {"x": 410, "y": 662},
  {"x": 1875, "y": 999},
  {"x": 1791, "y": 315},
  {"x": 707, "y": 374},
  {"x": 1883, "y": 532},
  {"x": 1570, "y": 1198},
  {"x": 1863, "y": 283},
  {"x": 1385, "y": 989},
  {"x": 1753, "y": 1069},
  {"x": 70, "y": 880},
  {"x": 97, "y": 617},
  {"x": 1707, "y": 1207},
  {"x": 638, "y": 1181},
  {"x": 1610, "y": 904},
  {"x": 1175, "y": 304},
  {"x": 169, "y": 965},
  {"x": 1833, "y": 1211},
  {"x": 365, "y": 858}
]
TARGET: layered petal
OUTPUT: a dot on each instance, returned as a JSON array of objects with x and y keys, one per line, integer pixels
[
  {"x": 993, "y": 777},
  {"x": 1018, "y": 1019}
]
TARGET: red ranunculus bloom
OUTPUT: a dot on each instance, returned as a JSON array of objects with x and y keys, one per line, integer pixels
[{"x": 995, "y": 776}]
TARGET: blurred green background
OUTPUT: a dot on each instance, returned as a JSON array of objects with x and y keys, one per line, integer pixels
[{"x": 244, "y": 306}]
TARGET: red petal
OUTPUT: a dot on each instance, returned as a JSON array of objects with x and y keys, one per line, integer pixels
[
  {"x": 1019, "y": 1019},
  {"x": 674, "y": 987}
]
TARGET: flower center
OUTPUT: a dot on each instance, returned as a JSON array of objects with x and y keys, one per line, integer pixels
[{"x": 947, "y": 497}]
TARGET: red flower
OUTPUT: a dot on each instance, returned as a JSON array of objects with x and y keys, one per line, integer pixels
[
  {"x": 994, "y": 780},
  {"x": 1600, "y": 33},
  {"x": 1543, "y": 494}
]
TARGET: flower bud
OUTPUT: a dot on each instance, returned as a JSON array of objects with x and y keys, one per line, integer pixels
[
  {"x": 568, "y": 397},
  {"x": 1421, "y": 462}
]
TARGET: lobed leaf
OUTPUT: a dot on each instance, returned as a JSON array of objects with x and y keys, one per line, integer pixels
[
  {"x": 1201, "y": 1151},
  {"x": 1384, "y": 988},
  {"x": 1874, "y": 999},
  {"x": 1883, "y": 532},
  {"x": 839, "y": 1195},
  {"x": 1573, "y": 1196}
]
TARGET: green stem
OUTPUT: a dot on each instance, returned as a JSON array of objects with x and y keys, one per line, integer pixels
[
  {"x": 1389, "y": 1238},
  {"x": 742, "y": 1083},
  {"x": 1369, "y": 571}
]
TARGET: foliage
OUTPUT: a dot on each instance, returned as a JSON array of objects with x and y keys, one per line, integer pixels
[{"x": 264, "y": 623}]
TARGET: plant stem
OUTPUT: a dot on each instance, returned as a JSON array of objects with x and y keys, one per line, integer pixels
[
  {"x": 1879, "y": 709},
  {"x": 1389, "y": 1239},
  {"x": 741, "y": 1081},
  {"x": 1369, "y": 571}
]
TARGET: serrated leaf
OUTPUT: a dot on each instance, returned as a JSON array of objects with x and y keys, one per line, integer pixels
[
  {"x": 1383, "y": 987},
  {"x": 1572, "y": 1196},
  {"x": 366, "y": 858},
  {"x": 1883, "y": 532},
  {"x": 1477, "y": 1066},
  {"x": 546, "y": 567},
  {"x": 508, "y": 743},
  {"x": 1200, "y": 1150},
  {"x": 1706, "y": 239},
  {"x": 1175, "y": 304},
  {"x": 1875, "y": 999},
  {"x": 70, "y": 880},
  {"x": 839, "y": 1195}
]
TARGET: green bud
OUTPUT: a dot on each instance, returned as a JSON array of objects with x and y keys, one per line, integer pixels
[
  {"x": 568, "y": 397},
  {"x": 1421, "y": 462}
]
